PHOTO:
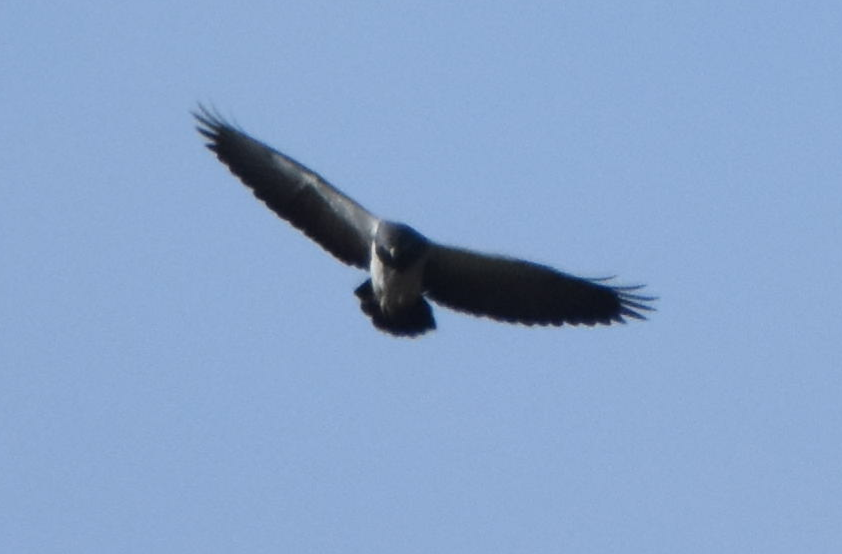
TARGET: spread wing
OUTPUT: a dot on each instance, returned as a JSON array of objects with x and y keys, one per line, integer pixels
[
  {"x": 518, "y": 291},
  {"x": 322, "y": 212}
]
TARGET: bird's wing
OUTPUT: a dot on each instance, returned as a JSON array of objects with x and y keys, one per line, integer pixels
[
  {"x": 322, "y": 212},
  {"x": 518, "y": 291}
]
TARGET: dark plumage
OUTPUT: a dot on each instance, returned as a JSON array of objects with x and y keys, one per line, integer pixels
[{"x": 405, "y": 266}]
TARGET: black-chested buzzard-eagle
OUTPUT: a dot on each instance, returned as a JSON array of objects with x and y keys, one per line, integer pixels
[{"x": 406, "y": 267}]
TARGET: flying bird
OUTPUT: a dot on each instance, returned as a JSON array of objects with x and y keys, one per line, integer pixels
[{"x": 406, "y": 268}]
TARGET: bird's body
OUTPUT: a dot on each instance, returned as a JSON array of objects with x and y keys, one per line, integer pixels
[
  {"x": 406, "y": 267},
  {"x": 396, "y": 288}
]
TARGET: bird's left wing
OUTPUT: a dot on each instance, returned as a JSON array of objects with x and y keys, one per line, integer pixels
[
  {"x": 518, "y": 291},
  {"x": 339, "y": 224}
]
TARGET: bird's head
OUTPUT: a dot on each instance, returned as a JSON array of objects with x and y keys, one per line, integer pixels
[{"x": 398, "y": 246}]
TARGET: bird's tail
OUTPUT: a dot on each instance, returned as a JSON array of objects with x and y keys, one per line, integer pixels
[{"x": 409, "y": 322}]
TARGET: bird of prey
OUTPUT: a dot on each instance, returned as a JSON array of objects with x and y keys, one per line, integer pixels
[{"x": 406, "y": 267}]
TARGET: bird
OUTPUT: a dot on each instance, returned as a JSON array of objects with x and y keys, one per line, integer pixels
[{"x": 406, "y": 268}]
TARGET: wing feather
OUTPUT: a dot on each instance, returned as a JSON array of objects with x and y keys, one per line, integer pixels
[
  {"x": 336, "y": 222},
  {"x": 518, "y": 291}
]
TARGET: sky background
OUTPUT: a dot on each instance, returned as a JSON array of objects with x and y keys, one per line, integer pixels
[{"x": 181, "y": 371}]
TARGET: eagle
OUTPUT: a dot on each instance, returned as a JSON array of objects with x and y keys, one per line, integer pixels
[{"x": 406, "y": 268}]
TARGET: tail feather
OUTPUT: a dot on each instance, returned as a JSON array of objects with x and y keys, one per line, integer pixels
[{"x": 410, "y": 322}]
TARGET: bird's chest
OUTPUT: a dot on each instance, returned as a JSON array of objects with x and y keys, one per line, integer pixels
[{"x": 396, "y": 289}]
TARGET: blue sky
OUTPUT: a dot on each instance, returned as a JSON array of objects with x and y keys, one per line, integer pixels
[{"x": 182, "y": 371}]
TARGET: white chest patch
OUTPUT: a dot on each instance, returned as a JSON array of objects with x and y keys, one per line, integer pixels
[{"x": 396, "y": 289}]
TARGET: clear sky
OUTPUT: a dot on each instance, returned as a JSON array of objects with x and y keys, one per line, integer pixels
[{"x": 181, "y": 371}]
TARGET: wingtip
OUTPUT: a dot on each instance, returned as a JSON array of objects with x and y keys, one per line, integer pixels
[
  {"x": 209, "y": 121},
  {"x": 211, "y": 125},
  {"x": 208, "y": 117},
  {"x": 633, "y": 305}
]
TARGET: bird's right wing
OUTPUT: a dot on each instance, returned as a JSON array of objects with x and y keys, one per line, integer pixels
[
  {"x": 332, "y": 219},
  {"x": 518, "y": 291}
]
